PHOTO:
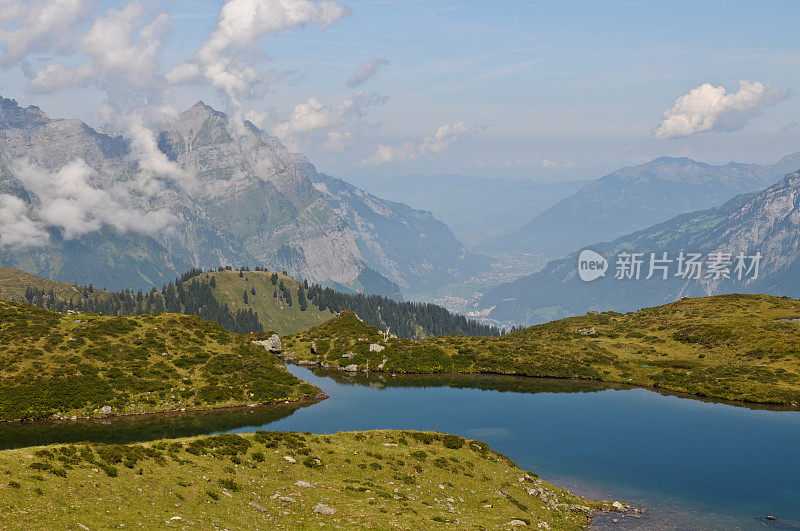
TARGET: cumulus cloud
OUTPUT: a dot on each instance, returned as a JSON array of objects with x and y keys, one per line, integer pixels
[
  {"x": 121, "y": 46},
  {"x": 313, "y": 115},
  {"x": 241, "y": 23},
  {"x": 365, "y": 71},
  {"x": 17, "y": 229},
  {"x": 436, "y": 143},
  {"x": 35, "y": 26},
  {"x": 710, "y": 108},
  {"x": 153, "y": 163},
  {"x": 66, "y": 200}
]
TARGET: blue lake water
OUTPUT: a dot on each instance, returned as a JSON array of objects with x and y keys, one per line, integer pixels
[{"x": 693, "y": 464}]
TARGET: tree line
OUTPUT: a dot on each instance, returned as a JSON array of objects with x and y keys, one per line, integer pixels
[
  {"x": 192, "y": 298},
  {"x": 405, "y": 319}
]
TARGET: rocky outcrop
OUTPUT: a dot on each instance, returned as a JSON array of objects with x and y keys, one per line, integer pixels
[{"x": 272, "y": 343}]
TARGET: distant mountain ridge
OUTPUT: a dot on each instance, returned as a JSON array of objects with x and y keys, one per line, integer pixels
[
  {"x": 637, "y": 197},
  {"x": 253, "y": 202},
  {"x": 469, "y": 204},
  {"x": 767, "y": 222}
]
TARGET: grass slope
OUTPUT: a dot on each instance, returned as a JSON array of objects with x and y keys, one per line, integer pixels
[
  {"x": 273, "y": 312},
  {"x": 14, "y": 282},
  {"x": 269, "y": 480},
  {"x": 732, "y": 347},
  {"x": 57, "y": 365}
]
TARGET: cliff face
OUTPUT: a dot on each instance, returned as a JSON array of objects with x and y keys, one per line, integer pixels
[{"x": 240, "y": 198}]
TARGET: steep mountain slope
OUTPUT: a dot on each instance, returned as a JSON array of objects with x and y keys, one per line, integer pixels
[
  {"x": 408, "y": 246},
  {"x": 637, "y": 197},
  {"x": 109, "y": 211},
  {"x": 767, "y": 223}
]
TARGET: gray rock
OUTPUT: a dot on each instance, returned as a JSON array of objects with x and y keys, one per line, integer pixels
[
  {"x": 304, "y": 484},
  {"x": 375, "y": 347},
  {"x": 258, "y": 507},
  {"x": 351, "y": 368},
  {"x": 273, "y": 343},
  {"x": 321, "y": 508},
  {"x": 105, "y": 410}
]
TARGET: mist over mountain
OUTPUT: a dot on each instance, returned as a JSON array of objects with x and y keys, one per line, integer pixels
[
  {"x": 766, "y": 222},
  {"x": 83, "y": 206},
  {"x": 468, "y": 205},
  {"x": 636, "y": 197}
]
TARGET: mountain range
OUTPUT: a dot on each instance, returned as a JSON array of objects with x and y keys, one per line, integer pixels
[
  {"x": 766, "y": 223},
  {"x": 208, "y": 191},
  {"x": 637, "y": 197},
  {"x": 468, "y": 204}
]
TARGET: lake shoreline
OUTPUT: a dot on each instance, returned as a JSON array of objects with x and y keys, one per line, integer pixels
[
  {"x": 319, "y": 397},
  {"x": 764, "y": 405}
]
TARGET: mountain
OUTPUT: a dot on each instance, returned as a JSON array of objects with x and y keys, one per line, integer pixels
[
  {"x": 102, "y": 210},
  {"x": 467, "y": 204},
  {"x": 767, "y": 222},
  {"x": 410, "y": 247},
  {"x": 637, "y": 197}
]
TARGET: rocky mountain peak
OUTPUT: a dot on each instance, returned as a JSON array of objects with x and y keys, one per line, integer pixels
[{"x": 12, "y": 115}]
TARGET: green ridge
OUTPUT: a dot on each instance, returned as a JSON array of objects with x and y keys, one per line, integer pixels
[
  {"x": 63, "y": 365},
  {"x": 732, "y": 347}
]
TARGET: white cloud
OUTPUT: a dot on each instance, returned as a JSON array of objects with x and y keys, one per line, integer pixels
[
  {"x": 335, "y": 141},
  {"x": 365, "y": 71},
  {"x": 66, "y": 200},
  {"x": 313, "y": 115},
  {"x": 241, "y": 23},
  {"x": 121, "y": 46},
  {"x": 153, "y": 164},
  {"x": 710, "y": 108},
  {"x": 438, "y": 142},
  {"x": 17, "y": 229},
  {"x": 553, "y": 164},
  {"x": 35, "y": 26}
]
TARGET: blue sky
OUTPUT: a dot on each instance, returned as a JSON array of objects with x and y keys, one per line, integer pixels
[{"x": 541, "y": 90}]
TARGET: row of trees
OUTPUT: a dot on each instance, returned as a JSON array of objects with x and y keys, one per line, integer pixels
[
  {"x": 192, "y": 298},
  {"x": 406, "y": 319}
]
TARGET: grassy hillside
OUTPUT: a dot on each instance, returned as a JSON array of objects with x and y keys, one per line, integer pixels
[
  {"x": 269, "y": 480},
  {"x": 14, "y": 283},
  {"x": 733, "y": 347},
  {"x": 274, "y": 312},
  {"x": 57, "y": 365}
]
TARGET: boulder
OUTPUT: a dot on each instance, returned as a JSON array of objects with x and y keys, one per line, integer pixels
[
  {"x": 321, "y": 508},
  {"x": 304, "y": 484},
  {"x": 374, "y": 347},
  {"x": 105, "y": 410},
  {"x": 351, "y": 368},
  {"x": 273, "y": 343},
  {"x": 586, "y": 331}
]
